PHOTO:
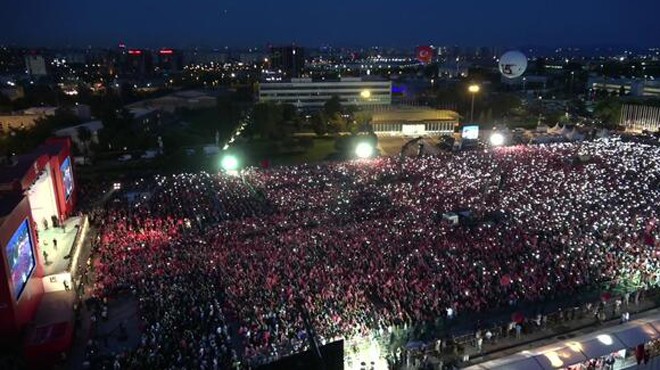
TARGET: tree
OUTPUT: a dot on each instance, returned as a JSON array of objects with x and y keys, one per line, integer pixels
[
  {"x": 62, "y": 118},
  {"x": 5, "y": 104},
  {"x": 361, "y": 122},
  {"x": 267, "y": 118},
  {"x": 85, "y": 136},
  {"x": 332, "y": 106},
  {"x": 319, "y": 123},
  {"x": 337, "y": 123},
  {"x": 228, "y": 110},
  {"x": 504, "y": 104},
  {"x": 291, "y": 117},
  {"x": 608, "y": 111},
  {"x": 118, "y": 131}
]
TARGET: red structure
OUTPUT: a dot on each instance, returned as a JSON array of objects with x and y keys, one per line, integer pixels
[
  {"x": 34, "y": 189},
  {"x": 15, "y": 314}
]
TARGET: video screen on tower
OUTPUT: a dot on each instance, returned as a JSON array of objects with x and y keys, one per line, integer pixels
[
  {"x": 67, "y": 177},
  {"x": 20, "y": 257}
]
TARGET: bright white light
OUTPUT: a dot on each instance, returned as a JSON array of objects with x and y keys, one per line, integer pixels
[
  {"x": 496, "y": 139},
  {"x": 364, "y": 150},
  {"x": 365, "y": 94},
  {"x": 116, "y": 186},
  {"x": 229, "y": 163},
  {"x": 605, "y": 339}
]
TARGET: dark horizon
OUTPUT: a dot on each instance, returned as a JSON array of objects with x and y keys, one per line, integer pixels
[{"x": 390, "y": 24}]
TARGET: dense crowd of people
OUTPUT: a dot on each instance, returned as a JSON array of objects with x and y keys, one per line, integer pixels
[{"x": 226, "y": 267}]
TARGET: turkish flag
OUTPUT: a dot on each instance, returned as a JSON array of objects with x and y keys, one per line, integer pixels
[{"x": 424, "y": 54}]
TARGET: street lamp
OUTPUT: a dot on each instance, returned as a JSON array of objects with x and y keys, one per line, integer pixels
[{"x": 473, "y": 89}]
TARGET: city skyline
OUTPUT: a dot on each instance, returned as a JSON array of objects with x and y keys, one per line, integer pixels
[{"x": 389, "y": 24}]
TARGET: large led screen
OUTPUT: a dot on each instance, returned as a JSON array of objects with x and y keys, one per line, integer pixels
[
  {"x": 20, "y": 256},
  {"x": 470, "y": 132},
  {"x": 67, "y": 177}
]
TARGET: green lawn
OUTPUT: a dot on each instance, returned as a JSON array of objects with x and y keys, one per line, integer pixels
[{"x": 253, "y": 152}]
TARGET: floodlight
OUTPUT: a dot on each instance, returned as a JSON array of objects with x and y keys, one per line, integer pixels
[
  {"x": 229, "y": 163},
  {"x": 496, "y": 139},
  {"x": 364, "y": 150}
]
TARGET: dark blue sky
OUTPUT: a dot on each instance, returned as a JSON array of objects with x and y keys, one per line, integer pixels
[{"x": 216, "y": 23}]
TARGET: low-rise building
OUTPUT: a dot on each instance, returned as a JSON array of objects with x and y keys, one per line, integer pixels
[
  {"x": 413, "y": 121},
  {"x": 308, "y": 93},
  {"x": 94, "y": 127},
  {"x": 632, "y": 87},
  {"x": 24, "y": 119}
]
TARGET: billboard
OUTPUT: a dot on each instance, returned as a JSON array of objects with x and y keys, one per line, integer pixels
[
  {"x": 470, "y": 132},
  {"x": 67, "y": 177},
  {"x": 20, "y": 257}
]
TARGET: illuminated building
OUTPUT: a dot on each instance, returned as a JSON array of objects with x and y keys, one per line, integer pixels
[{"x": 306, "y": 93}]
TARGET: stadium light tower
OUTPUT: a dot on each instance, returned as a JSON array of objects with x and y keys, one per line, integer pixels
[
  {"x": 364, "y": 150},
  {"x": 473, "y": 89}
]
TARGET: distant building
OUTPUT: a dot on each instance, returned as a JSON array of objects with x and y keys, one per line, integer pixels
[
  {"x": 170, "y": 60},
  {"x": 632, "y": 87},
  {"x": 205, "y": 57},
  {"x": 531, "y": 82},
  {"x": 25, "y": 119},
  {"x": 94, "y": 128},
  {"x": 289, "y": 59},
  {"x": 82, "y": 111},
  {"x": 147, "y": 119},
  {"x": 188, "y": 99},
  {"x": 35, "y": 65},
  {"x": 250, "y": 57},
  {"x": 136, "y": 63},
  {"x": 13, "y": 92},
  {"x": 306, "y": 93},
  {"x": 453, "y": 69}
]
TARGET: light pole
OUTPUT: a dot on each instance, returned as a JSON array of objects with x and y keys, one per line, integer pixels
[{"x": 473, "y": 89}]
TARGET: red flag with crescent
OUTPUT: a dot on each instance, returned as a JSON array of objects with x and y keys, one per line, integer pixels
[{"x": 425, "y": 54}]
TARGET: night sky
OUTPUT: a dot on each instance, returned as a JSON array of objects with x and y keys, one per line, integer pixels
[{"x": 245, "y": 23}]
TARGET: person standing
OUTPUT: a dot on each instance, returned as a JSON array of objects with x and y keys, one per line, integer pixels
[
  {"x": 639, "y": 353},
  {"x": 54, "y": 243}
]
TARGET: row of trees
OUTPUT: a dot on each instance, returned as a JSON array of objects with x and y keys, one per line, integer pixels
[{"x": 276, "y": 121}]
